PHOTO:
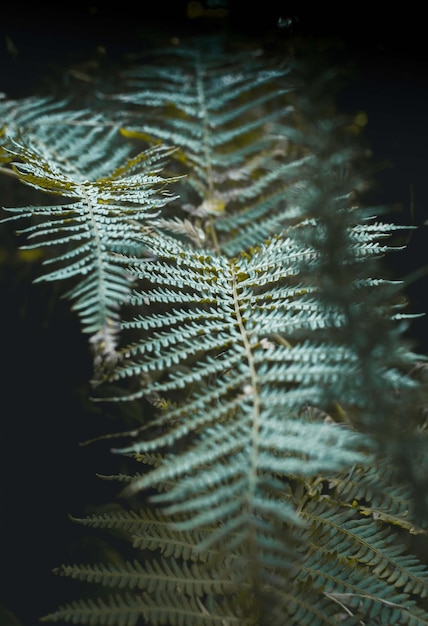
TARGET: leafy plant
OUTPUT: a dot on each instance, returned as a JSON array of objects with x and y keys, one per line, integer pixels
[{"x": 230, "y": 280}]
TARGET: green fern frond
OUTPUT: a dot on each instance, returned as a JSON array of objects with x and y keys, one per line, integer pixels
[
  {"x": 29, "y": 112},
  {"x": 151, "y": 575},
  {"x": 167, "y": 593},
  {"x": 375, "y": 492},
  {"x": 117, "y": 610},
  {"x": 356, "y": 540},
  {"x": 241, "y": 433},
  {"x": 54, "y": 128},
  {"x": 219, "y": 117},
  {"x": 150, "y": 530},
  {"x": 97, "y": 224}
]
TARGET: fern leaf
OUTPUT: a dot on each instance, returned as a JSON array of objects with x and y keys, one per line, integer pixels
[
  {"x": 153, "y": 575},
  {"x": 247, "y": 398},
  {"x": 92, "y": 225},
  {"x": 150, "y": 530},
  {"x": 221, "y": 120},
  {"x": 371, "y": 545},
  {"x": 117, "y": 610}
]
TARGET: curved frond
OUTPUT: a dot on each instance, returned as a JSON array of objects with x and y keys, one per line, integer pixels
[{"x": 92, "y": 230}]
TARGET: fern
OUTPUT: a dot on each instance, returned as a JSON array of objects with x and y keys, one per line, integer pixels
[
  {"x": 221, "y": 121},
  {"x": 103, "y": 204},
  {"x": 259, "y": 333}
]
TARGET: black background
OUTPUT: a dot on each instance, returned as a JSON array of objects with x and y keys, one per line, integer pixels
[{"x": 45, "y": 474}]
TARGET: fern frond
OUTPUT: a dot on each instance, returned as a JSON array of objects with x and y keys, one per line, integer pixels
[
  {"x": 241, "y": 433},
  {"x": 79, "y": 140},
  {"x": 151, "y": 530},
  {"x": 151, "y": 575},
  {"x": 219, "y": 117},
  {"x": 120, "y": 610},
  {"x": 355, "y": 561},
  {"x": 375, "y": 492},
  {"x": 29, "y": 112},
  {"x": 97, "y": 226},
  {"x": 250, "y": 359},
  {"x": 372, "y": 545}
]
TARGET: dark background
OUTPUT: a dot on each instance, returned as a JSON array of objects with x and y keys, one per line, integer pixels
[{"x": 45, "y": 413}]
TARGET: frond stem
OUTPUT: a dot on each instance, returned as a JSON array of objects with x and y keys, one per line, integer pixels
[
  {"x": 97, "y": 242},
  {"x": 254, "y": 388}
]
